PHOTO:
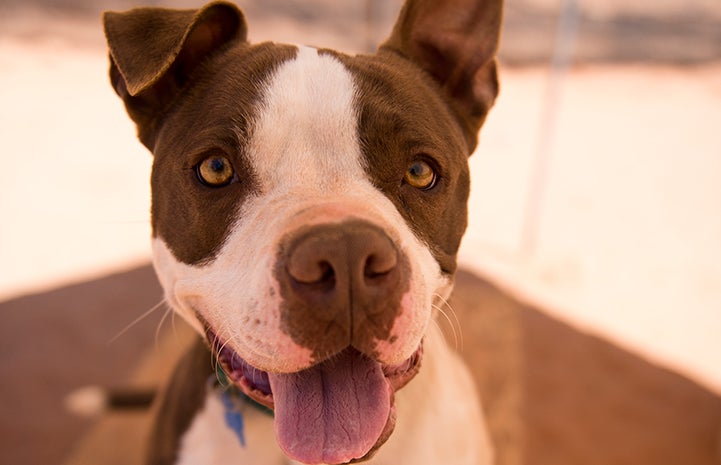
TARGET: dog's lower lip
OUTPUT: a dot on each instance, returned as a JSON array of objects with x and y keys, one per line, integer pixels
[
  {"x": 255, "y": 384},
  {"x": 252, "y": 381}
]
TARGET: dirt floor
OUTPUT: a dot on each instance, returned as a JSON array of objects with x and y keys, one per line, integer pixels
[{"x": 552, "y": 394}]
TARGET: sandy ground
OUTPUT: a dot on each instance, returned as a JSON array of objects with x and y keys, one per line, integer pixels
[{"x": 627, "y": 244}]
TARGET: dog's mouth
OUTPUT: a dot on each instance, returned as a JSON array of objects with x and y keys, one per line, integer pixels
[{"x": 337, "y": 411}]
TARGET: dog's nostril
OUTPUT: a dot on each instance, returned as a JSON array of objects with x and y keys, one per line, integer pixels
[
  {"x": 380, "y": 264},
  {"x": 311, "y": 272},
  {"x": 326, "y": 271}
]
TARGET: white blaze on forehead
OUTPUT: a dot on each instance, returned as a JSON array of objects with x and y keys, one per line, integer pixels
[{"x": 306, "y": 130}]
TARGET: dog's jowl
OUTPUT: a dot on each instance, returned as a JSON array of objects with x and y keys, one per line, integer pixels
[{"x": 307, "y": 208}]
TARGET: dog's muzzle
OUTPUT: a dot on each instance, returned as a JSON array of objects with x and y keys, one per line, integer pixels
[{"x": 342, "y": 287}]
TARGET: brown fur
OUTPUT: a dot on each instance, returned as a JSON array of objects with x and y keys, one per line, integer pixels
[
  {"x": 179, "y": 406},
  {"x": 192, "y": 218},
  {"x": 455, "y": 41},
  {"x": 154, "y": 53},
  {"x": 402, "y": 118}
]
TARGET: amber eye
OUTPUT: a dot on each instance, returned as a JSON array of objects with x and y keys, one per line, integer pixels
[
  {"x": 215, "y": 171},
  {"x": 420, "y": 175}
]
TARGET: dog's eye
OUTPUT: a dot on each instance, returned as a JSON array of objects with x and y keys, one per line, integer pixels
[
  {"x": 215, "y": 171},
  {"x": 421, "y": 176}
]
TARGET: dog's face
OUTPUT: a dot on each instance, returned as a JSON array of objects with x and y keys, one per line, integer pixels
[{"x": 307, "y": 205}]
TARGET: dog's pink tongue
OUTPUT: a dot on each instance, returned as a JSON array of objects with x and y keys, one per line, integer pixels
[{"x": 333, "y": 412}]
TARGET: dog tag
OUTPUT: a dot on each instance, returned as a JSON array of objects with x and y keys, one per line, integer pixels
[
  {"x": 233, "y": 415},
  {"x": 231, "y": 403}
]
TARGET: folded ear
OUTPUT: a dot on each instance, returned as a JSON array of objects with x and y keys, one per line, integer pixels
[
  {"x": 154, "y": 51},
  {"x": 456, "y": 42}
]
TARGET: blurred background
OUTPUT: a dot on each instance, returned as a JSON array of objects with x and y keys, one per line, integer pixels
[{"x": 596, "y": 186}]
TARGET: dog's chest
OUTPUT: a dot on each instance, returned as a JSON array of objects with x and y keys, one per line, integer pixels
[{"x": 210, "y": 440}]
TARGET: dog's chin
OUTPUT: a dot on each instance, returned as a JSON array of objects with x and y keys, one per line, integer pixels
[{"x": 348, "y": 364}]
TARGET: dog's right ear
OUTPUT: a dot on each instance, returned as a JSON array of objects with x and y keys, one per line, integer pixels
[{"x": 154, "y": 52}]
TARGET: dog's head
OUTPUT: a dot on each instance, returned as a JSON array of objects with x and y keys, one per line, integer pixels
[{"x": 307, "y": 205}]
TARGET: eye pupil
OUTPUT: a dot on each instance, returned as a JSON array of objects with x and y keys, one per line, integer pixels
[
  {"x": 215, "y": 171},
  {"x": 217, "y": 165}
]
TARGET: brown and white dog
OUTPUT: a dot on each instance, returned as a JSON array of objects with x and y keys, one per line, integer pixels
[{"x": 307, "y": 209}]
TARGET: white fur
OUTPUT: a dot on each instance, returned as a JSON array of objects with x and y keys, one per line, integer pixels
[
  {"x": 210, "y": 441},
  {"x": 440, "y": 405}
]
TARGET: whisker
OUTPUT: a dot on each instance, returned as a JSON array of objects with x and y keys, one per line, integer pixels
[
  {"x": 168, "y": 311},
  {"x": 215, "y": 360},
  {"x": 216, "y": 353},
  {"x": 454, "y": 314},
  {"x": 226, "y": 341},
  {"x": 215, "y": 363},
  {"x": 173, "y": 316},
  {"x": 256, "y": 374},
  {"x": 454, "y": 322},
  {"x": 136, "y": 321},
  {"x": 450, "y": 323}
]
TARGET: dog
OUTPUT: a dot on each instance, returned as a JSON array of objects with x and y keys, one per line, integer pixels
[{"x": 307, "y": 209}]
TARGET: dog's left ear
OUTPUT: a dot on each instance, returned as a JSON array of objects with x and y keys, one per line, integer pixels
[
  {"x": 456, "y": 42},
  {"x": 155, "y": 51}
]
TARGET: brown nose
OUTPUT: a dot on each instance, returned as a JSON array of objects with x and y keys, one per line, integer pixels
[{"x": 341, "y": 284}]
